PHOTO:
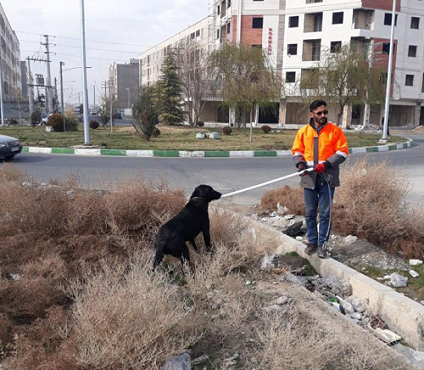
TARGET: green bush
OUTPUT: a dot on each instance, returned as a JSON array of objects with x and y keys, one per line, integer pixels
[
  {"x": 94, "y": 125},
  {"x": 35, "y": 118},
  {"x": 266, "y": 129},
  {"x": 71, "y": 122},
  {"x": 56, "y": 121}
]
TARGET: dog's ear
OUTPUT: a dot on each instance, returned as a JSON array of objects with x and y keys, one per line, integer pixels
[{"x": 196, "y": 193}]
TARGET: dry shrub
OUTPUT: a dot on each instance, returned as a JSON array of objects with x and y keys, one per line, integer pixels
[
  {"x": 138, "y": 206},
  {"x": 292, "y": 198},
  {"x": 43, "y": 345},
  {"x": 9, "y": 173},
  {"x": 131, "y": 320},
  {"x": 240, "y": 243},
  {"x": 371, "y": 203},
  {"x": 294, "y": 340}
]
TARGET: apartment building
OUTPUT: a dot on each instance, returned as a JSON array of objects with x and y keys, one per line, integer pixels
[
  {"x": 315, "y": 26},
  {"x": 151, "y": 60},
  {"x": 124, "y": 83},
  {"x": 10, "y": 59},
  {"x": 295, "y": 34}
]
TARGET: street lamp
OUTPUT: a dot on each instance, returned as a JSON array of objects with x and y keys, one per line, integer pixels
[
  {"x": 389, "y": 77},
  {"x": 129, "y": 98}
]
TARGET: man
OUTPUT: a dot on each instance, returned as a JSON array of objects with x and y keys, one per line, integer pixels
[{"x": 322, "y": 146}]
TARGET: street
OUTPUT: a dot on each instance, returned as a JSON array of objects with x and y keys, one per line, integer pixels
[{"x": 224, "y": 174}]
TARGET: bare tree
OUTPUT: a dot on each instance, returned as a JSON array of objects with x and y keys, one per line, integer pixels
[
  {"x": 245, "y": 79},
  {"x": 344, "y": 78},
  {"x": 192, "y": 62}
]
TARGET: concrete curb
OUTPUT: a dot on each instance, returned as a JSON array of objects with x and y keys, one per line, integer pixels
[
  {"x": 198, "y": 154},
  {"x": 403, "y": 315}
]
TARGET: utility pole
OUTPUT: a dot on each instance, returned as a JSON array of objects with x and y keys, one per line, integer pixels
[
  {"x": 111, "y": 106},
  {"x": 30, "y": 89},
  {"x": 49, "y": 95},
  {"x": 389, "y": 77},
  {"x": 61, "y": 95},
  {"x": 84, "y": 77},
  {"x": 94, "y": 97}
]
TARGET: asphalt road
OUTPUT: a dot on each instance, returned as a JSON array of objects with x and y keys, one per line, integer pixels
[{"x": 224, "y": 174}]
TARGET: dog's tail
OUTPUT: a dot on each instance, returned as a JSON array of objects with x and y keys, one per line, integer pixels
[{"x": 159, "y": 254}]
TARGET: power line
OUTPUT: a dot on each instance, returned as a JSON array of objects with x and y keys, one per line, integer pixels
[
  {"x": 79, "y": 47},
  {"x": 75, "y": 38},
  {"x": 77, "y": 56}
]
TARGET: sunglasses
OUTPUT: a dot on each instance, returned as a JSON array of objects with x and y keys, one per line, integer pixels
[{"x": 325, "y": 112}]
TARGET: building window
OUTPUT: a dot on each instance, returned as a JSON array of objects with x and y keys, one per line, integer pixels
[
  {"x": 386, "y": 48},
  {"x": 290, "y": 77},
  {"x": 409, "y": 80},
  {"x": 257, "y": 22},
  {"x": 422, "y": 87},
  {"x": 292, "y": 49},
  {"x": 228, "y": 4},
  {"x": 218, "y": 10},
  {"x": 338, "y": 18},
  {"x": 228, "y": 27},
  {"x": 335, "y": 46},
  {"x": 217, "y": 34},
  {"x": 388, "y": 19},
  {"x": 415, "y": 23},
  {"x": 293, "y": 22},
  {"x": 412, "y": 52},
  {"x": 197, "y": 33},
  {"x": 257, "y": 46}
]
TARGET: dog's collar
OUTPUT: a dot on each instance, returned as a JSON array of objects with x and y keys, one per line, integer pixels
[{"x": 197, "y": 198}]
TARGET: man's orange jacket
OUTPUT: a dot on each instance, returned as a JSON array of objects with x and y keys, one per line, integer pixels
[{"x": 328, "y": 145}]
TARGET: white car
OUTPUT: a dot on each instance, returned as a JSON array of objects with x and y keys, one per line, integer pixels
[
  {"x": 9, "y": 146},
  {"x": 44, "y": 120}
]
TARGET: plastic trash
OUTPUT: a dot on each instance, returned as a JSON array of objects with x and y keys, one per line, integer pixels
[
  {"x": 413, "y": 273},
  {"x": 387, "y": 336},
  {"x": 182, "y": 362},
  {"x": 398, "y": 281},
  {"x": 414, "y": 262},
  {"x": 267, "y": 261}
]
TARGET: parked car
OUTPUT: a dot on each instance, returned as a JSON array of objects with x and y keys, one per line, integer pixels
[
  {"x": 9, "y": 146},
  {"x": 44, "y": 120},
  {"x": 118, "y": 115}
]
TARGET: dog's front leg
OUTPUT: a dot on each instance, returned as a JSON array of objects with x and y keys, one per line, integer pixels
[
  {"x": 207, "y": 235},
  {"x": 193, "y": 244}
]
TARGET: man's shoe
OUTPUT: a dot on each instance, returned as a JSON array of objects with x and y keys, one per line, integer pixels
[
  {"x": 322, "y": 253},
  {"x": 311, "y": 248}
]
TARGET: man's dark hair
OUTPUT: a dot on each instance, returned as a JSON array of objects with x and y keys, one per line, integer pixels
[{"x": 315, "y": 104}]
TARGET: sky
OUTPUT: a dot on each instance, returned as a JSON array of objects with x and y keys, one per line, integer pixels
[{"x": 116, "y": 30}]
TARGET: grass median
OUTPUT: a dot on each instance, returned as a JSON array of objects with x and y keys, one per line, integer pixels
[{"x": 175, "y": 138}]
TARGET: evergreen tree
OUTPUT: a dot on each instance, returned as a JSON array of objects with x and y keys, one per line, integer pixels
[{"x": 169, "y": 93}]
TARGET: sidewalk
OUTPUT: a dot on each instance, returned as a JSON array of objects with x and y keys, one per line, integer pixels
[{"x": 197, "y": 154}]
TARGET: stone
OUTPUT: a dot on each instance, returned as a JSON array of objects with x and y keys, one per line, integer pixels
[
  {"x": 358, "y": 304},
  {"x": 182, "y": 362},
  {"x": 200, "y": 359},
  {"x": 213, "y": 135},
  {"x": 282, "y": 300},
  {"x": 416, "y": 357},
  {"x": 299, "y": 238},
  {"x": 276, "y": 307},
  {"x": 413, "y": 273},
  {"x": 350, "y": 239},
  {"x": 398, "y": 281},
  {"x": 49, "y": 129},
  {"x": 267, "y": 261},
  {"x": 292, "y": 278},
  {"x": 387, "y": 336},
  {"x": 281, "y": 210},
  {"x": 200, "y": 136},
  {"x": 355, "y": 316},
  {"x": 414, "y": 262}
]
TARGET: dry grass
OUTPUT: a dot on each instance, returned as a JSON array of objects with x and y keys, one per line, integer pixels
[
  {"x": 289, "y": 197},
  {"x": 86, "y": 297}
]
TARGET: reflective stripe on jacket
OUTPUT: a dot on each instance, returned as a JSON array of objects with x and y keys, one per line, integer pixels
[{"x": 311, "y": 147}]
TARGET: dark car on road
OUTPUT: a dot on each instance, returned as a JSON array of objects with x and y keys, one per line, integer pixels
[
  {"x": 9, "y": 146},
  {"x": 118, "y": 115}
]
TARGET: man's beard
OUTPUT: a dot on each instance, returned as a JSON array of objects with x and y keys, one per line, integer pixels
[{"x": 322, "y": 121}]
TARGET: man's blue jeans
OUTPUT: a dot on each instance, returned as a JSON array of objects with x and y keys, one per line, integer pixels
[{"x": 321, "y": 197}]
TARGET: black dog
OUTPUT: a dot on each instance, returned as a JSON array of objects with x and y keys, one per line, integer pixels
[{"x": 192, "y": 219}]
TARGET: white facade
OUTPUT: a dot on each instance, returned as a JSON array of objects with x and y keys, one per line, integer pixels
[
  {"x": 152, "y": 59},
  {"x": 10, "y": 59}
]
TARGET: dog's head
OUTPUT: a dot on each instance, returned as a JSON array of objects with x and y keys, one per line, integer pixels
[{"x": 206, "y": 192}]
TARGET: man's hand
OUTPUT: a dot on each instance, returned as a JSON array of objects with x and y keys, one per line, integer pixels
[
  {"x": 320, "y": 168},
  {"x": 301, "y": 166}
]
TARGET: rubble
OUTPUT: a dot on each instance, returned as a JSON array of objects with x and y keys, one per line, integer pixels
[{"x": 398, "y": 281}]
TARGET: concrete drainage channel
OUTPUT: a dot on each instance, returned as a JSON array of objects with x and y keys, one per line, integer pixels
[{"x": 403, "y": 315}]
